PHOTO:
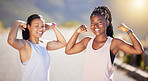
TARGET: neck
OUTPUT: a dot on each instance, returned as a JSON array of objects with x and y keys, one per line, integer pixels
[
  {"x": 100, "y": 38},
  {"x": 34, "y": 40}
]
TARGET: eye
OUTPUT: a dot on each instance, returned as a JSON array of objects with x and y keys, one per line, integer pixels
[
  {"x": 92, "y": 23},
  {"x": 100, "y": 21},
  {"x": 37, "y": 26},
  {"x": 43, "y": 27}
]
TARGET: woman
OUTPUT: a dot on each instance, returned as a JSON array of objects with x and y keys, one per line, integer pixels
[
  {"x": 33, "y": 53},
  {"x": 101, "y": 49}
]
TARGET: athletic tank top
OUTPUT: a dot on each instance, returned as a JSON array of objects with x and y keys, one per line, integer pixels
[
  {"x": 98, "y": 65},
  {"x": 36, "y": 69}
]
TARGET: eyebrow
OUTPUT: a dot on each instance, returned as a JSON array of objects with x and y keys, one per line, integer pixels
[
  {"x": 99, "y": 19},
  {"x": 36, "y": 23}
]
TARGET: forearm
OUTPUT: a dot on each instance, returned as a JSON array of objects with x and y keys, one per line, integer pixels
[
  {"x": 59, "y": 36},
  {"x": 72, "y": 41},
  {"x": 136, "y": 43}
]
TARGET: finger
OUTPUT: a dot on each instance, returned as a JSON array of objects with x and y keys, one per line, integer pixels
[
  {"x": 120, "y": 28},
  {"x": 82, "y": 28},
  {"x": 84, "y": 31},
  {"x": 20, "y": 24},
  {"x": 85, "y": 28},
  {"x": 24, "y": 25},
  {"x": 48, "y": 24},
  {"x": 22, "y": 28}
]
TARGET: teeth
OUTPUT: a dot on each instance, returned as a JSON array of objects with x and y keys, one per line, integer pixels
[
  {"x": 39, "y": 32},
  {"x": 97, "y": 29}
]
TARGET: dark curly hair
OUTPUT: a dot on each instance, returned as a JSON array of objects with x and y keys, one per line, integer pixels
[{"x": 104, "y": 11}]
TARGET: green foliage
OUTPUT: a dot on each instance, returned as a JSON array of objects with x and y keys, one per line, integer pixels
[
  {"x": 146, "y": 68},
  {"x": 127, "y": 59},
  {"x": 70, "y": 24},
  {"x": 1, "y": 24},
  {"x": 142, "y": 63}
]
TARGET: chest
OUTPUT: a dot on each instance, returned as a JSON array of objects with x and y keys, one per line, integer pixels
[
  {"x": 40, "y": 54},
  {"x": 97, "y": 46}
]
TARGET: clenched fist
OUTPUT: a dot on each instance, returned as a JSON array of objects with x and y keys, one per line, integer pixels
[
  {"x": 21, "y": 24},
  {"x": 81, "y": 29},
  {"x": 123, "y": 28}
]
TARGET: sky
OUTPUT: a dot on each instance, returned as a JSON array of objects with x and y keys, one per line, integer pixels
[{"x": 134, "y": 13}]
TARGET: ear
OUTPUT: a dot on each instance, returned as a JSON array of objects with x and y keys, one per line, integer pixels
[
  {"x": 108, "y": 23},
  {"x": 28, "y": 26}
]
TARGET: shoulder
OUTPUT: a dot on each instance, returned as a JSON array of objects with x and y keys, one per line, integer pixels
[
  {"x": 26, "y": 48},
  {"x": 115, "y": 44},
  {"x": 117, "y": 41},
  {"x": 27, "y": 44},
  {"x": 86, "y": 40}
]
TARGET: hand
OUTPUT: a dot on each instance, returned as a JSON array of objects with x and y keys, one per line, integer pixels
[
  {"x": 48, "y": 26},
  {"x": 81, "y": 29},
  {"x": 123, "y": 28},
  {"x": 21, "y": 24}
]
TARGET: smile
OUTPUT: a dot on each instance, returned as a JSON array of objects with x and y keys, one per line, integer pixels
[
  {"x": 39, "y": 32},
  {"x": 97, "y": 29}
]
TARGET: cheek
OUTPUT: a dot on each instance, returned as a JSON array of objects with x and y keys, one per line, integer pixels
[
  {"x": 33, "y": 30},
  {"x": 91, "y": 26}
]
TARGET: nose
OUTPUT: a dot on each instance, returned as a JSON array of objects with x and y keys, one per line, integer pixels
[{"x": 96, "y": 25}]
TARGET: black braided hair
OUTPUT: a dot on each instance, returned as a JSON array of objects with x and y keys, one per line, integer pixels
[
  {"x": 25, "y": 33},
  {"x": 104, "y": 11}
]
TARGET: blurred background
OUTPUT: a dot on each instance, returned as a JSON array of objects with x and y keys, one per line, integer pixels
[{"x": 69, "y": 14}]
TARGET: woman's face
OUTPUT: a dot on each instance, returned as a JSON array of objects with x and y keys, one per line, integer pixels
[
  {"x": 98, "y": 24},
  {"x": 37, "y": 28}
]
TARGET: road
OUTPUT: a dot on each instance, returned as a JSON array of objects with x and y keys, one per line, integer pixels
[{"x": 63, "y": 67}]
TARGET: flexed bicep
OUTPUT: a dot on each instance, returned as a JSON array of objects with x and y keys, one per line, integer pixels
[
  {"x": 12, "y": 38},
  {"x": 126, "y": 47},
  {"x": 135, "y": 47}
]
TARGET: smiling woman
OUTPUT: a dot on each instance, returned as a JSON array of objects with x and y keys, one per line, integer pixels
[
  {"x": 102, "y": 48},
  {"x": 35, "y": 59}
]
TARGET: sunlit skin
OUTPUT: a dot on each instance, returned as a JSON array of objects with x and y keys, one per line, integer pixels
[
  {"x": 98, "y": 27},
  {"x": 36, "y": 30}
]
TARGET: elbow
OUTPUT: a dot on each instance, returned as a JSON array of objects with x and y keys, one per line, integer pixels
[
  {"x": 63, "y": 44},
  {"x": 9, "y": 41},
  {"x": 140, "y": 52},
  {"x": 67, "y": 52}
]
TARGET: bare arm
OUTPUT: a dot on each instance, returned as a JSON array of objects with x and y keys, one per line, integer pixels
[
  {"x": 135, "y": 47},
  {"x": 16, "y": 43},
  {"x": 59, "y": 43},
  {"x": 72, "y": 47}
]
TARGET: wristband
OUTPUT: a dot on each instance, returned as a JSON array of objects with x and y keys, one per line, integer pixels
[
  {"x": 54, "y": 25},
  {"x": 130, "y": 31}
]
